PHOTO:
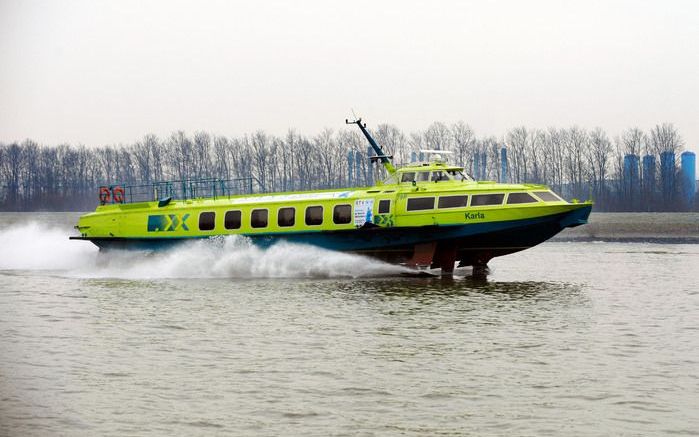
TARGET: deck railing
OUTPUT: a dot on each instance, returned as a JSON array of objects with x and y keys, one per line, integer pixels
[{"x": 180, "y": 190}]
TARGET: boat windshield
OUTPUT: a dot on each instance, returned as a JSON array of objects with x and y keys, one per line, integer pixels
[
  {"x": 426, "y": 176},
  {"x": 391, "y": 179},
  {"x": 439, "y": 176},
  {"x": 408, "y": 176}
]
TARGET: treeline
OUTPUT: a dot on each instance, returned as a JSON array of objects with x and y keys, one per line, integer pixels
[{"x": 576, "y": 162}]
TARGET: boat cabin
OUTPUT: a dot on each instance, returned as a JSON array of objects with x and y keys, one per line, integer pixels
[{"x": 435, "y": 170}]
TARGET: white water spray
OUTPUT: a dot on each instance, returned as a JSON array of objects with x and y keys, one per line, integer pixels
[{"x": 34, "y": 247}]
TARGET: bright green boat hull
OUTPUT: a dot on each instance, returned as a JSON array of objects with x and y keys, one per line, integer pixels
[{"x": 469, "y": 233}]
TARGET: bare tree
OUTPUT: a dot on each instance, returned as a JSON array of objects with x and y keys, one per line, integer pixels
[
  {"x": 634, "y": 141},
  {"x": 665, "y": 138},
  {"x": 438, "y": 136},
  {"x": 201, "y": 155},
  {"x": 464, "y": 141},
  {"x": 598, "y": 160},
  {"x": 577, "y": 142},
  {"x": 179, "y": 151},
  {"x": 324, "y": 143},
  {"x": 221, "y": 158},
  {"x": 393, "y": 142},
  {"x": 517, "y": 141},
  {"x": 573, "y": 161}
]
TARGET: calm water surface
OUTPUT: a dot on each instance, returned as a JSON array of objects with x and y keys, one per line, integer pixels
[{"x": 224, "y": 339}]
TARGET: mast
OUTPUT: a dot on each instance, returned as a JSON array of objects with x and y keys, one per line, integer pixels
[{"x": 380, "y": 154}]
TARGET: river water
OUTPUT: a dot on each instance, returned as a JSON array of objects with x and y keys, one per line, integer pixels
[{"x": 568, "y": 338}]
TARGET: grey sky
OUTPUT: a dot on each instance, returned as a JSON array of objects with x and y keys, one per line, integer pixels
[{"x": 99, "y": 73}]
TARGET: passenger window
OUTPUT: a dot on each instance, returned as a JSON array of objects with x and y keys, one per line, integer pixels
[
  {"x": 520, "y": 198},
  {"x": 547, "y": 196},
  {"x": 439, "y": 176},
  {"x": 384, "y": 206},
  {"x": 407, "y": 177},
  {"x": 487, "y": 199},
  {"x": 420, "y": 203},
  {"x": 314, "y": 215},
  {"x": 286, "y": 217},
  {"x": 452, "y": 201},
  {"x": 259, "y": 218},
  {"x": 232, "y": 220},
  {"x": 423, "y": 176},
  {"x": 342, "y": 214},
  {"x": 207, "y": 221}
]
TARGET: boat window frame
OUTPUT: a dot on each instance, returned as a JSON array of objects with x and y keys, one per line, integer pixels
[
  {"x": 407, "y": 203},
  {"x": 349, "y": 218},
  {"x": 537, "y": 194},
  {"x": 322, "y": 211},
  {"x": 404, "y": 174},
  {"x": 444, "y": 176},
  {"x": 418, "y": 176},
  {"x": 465, "y": 196},
  {"x": 383, "y": 201},
  {"x": 252, "y": 223},
  {"x": 293, "y": 216},
  {"x": 473, "y": 196},
  {"x": 213, "y": 220},
  {"x": 533, "y": 199},
  {"x": 240, "y": 219}
]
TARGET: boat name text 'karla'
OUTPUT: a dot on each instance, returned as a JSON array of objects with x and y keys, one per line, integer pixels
[{"x": 474, "y": 215}]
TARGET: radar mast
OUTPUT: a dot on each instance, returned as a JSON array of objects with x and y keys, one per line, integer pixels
[{"x": 380, "y": 154}]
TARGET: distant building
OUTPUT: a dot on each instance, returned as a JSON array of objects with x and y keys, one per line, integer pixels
[
  {"x": 503, "y": 165},
  {"x": 632, "y": 181},
  {"x": 476, "y": 166},
  {"x": 688, "y": 176},
  {"x": 648, "y": 182},
  {"x": 667, "y": 177}
]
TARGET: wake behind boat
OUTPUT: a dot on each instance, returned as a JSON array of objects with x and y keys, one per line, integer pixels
[{"x": 423, "y": 215}]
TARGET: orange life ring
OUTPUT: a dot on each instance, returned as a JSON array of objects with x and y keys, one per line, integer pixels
[
  {"x": 104, "y": 195},
  {"x": 118, "y": 194}
]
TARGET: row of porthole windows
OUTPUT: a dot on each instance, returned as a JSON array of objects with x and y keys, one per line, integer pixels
[
  {"x": 286, "y": 217},
  {"x": 460, "y": 201},
  {"x": 342, "y": 214}
]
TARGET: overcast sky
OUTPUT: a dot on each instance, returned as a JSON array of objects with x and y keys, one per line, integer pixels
[{"x": 98, "y": 72}]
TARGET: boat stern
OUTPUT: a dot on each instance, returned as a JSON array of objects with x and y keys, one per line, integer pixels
[{"x": 102, "y": 223}]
